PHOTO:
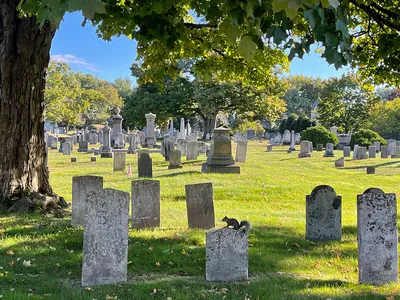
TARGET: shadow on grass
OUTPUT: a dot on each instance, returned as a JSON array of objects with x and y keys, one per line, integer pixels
[
  {"x": 376, "y": 166},
  {"x": 178, "y": 173}
]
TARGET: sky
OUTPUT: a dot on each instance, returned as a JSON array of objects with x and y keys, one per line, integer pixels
[{"x": 85, "y": 52}]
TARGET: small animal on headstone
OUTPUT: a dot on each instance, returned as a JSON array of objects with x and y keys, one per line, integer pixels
[{"x": 236, "y": 225}]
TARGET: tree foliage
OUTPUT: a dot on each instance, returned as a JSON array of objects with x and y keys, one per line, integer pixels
[
  {"x": 365, "y": 138},
  {"x": 319, "y": 135},
  {"x": 384, "y": 118},
  {"x": 345, "y": 102}
]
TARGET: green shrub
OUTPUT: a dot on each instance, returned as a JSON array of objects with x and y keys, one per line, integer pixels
[
  {"x": 319, "y": 135},
  {"x": 366, "y": 137}
]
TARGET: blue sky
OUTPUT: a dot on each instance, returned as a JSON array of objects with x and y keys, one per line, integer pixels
[{"x": 85, "y": 52}]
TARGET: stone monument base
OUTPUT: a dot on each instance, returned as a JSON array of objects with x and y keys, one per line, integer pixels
[
  {"x": 229, "y": 169},
  {"x": 302, "y": 155},
  {"x": 175, "y": 167}
]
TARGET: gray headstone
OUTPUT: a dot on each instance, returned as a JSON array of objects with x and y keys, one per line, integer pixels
[
  {"x": 145, "y": 203},
  {"x": 370, "y": 170},
  {"x": 339, "y": 163},
  {"x": 200, "y": 205},
  {"x": 66, "y": 148},
  {"x": 81, "y": 186},
  {"x": 119, "y": 161},
  {"x": 384, "y": 152},
  {"x": 323, "y": 214},
  {"x": 105, "y": 239},
  {"x": 355, "y": 151},
  {"x": 320, "y": 147},
  {"x": 372, "y": 152},
  {"x": 181, "y": 145},
  {"x": 83, "y": 146},
  {"x": 374, "y": 190},
  {"x": 175, "y": 160},
  {"x": 304, "y": 149},
  {"x": 145, "y": 165},
  {"x": 269, "y": 148},
  {"x": 241, "y": 151},
  {"x": 93, "y": 158},
  {"x": 329, "y": 150},
  {"x": 396, "y": 152},
  {"x": 377, "y": 146},
  {"x": 73, "y": 159},
  {"x": 226, "y": 255},
  {"x": 192, "y": 152},
  {"x": 377, "y": 238},
  {"x": 346, "y": 151}
]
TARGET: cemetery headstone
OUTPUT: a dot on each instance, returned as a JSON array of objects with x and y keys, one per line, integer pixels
[
  {"x": 377, "y": 238},
  {"x": 370, "y": 170},
  {"x": 269, "y": 148},
  {"x": 292, "y": 142},
  {"x": 175, "y": 160},
  {"x": 208, "y": 137},
  {"x": 105, "y": 239},
  {"x": 372, "y": 152},
  {"x": 241, "y": 151},
  {"x": 346, "y": 151},
  {"x": 329, "y": 150},
  {"x": 355, "y": 152},
  {"x": 145, "y": 165},
  {"x": 377, "y": 146},
  {"x": 106, "y": 151},
  {"x": 200, "y": 205},
  {"x": 362, "y": 153},
  {"x": 119, "y": 161},
  {"x": 286, "y": 137},
  {"x": 226, "y": 255},
  {"x": 339, "y": 163},
  {"x": 396, "y": 152},
  {"x": 181, "y": 145},
  {"x": 150, "y": 140},
  {"x": 66, "y": 148},
  {"x": 192, "y": 152},
  {"x": 83, "y": 146},
  {"x": 81, "y": 186},
  {"x": 304, "y": 149},
  {"x": 320, "y": 147},
  {"x": 374, "y": 190},
  {"x": 93, "y": 158},
  {"x": 323, "y": 214},
  {"x": 73, "y": 159},
  {"x": 145, "y": 203}
]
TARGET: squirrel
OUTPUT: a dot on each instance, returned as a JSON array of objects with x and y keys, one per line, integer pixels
[{"x": 236, "y": 225}]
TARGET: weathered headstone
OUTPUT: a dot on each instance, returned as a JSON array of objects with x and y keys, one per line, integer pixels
[
  {"x": 323, "y": 214},
  {"x": 93, "y": 158},
  {"x": 145, "y": 203},
  {"x": 208, "y": 137},
  {"x": 106, "y": 151},
  {"x": 73, "y": 159},
  {"x": 346, "y": 151},
  {"x": 226, "y": 255},
  {"x": 175, "y": 160},
  {"x": 329, "y": 150},
  {"x": 119, "y": 161},
  {"x": 320, "y": 147},
  {"x": 241, "y": 151},
  {"x": 370, "y": 170},
  {"x": 391, "y": 145},
  {"x": 105, "y": 239},
  {"x": 355, "y": 152},
  {"x": 396, "y": 152},
  {"x": 372, "y": 152},
  {"x": 286, "y": 137},
  {"x": 83, "y": 146},
  {"x": 66, "y": 148},
  {"x": 377, "y": 238},
  {"x": 377, "y": 147},
  {"x": 181, "y": 145},
  {"x": 374, "y": 190},
  {"x": 145, "y": 165},
  {"x": 311, "y": 147},
  {"x": 81, "y": 186},
  {"x": 292, "y": 146},
  {"x": 269, "y": 148},
  {"x": 117, "y": 137},
  {"x": 339, "y": 163},
  {"x": 200, "y": 205},
  {"x": 192, "y": 151},
  {"x": 304, "y": 149},
  {"x": 362, "y": 153},
  {"x": 384, "y": 152}
]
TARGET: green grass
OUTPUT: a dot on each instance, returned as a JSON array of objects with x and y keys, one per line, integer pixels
[{"x": 270, "y": 193}]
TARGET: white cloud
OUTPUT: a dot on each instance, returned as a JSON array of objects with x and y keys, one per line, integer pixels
[{"x": 73, "y": 60}]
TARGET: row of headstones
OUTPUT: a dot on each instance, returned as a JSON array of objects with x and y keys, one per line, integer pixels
[
  {"x": 288, "y": 137},
  {"x": 376, "y": 229},
  {"x": 104, "y": 215}
]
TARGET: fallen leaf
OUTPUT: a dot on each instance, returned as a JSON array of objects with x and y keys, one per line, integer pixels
[
  {"x": 26, "y": 263},
  {"x": 10, "y": 252},
  {"x": 158, "y": 264},
  {"x": 12, "y": 289},
  {"x": 88, "y": 289}
]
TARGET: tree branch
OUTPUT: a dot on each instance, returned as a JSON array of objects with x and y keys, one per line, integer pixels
[{"x": 199, "y": 26}]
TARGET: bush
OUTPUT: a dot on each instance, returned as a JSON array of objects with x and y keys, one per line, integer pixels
[
  {"x": 319, "y": 135},
  {"x": 365, "y": 138}
]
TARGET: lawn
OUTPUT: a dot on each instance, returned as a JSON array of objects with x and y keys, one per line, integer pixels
[{"x": 40, "y": 257}]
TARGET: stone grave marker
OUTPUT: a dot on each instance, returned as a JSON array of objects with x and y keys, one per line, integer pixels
[
  {"x": 81, "y": 186},
  {"x": 384, "y": 152},
  {"x": 320, "y": 147},
  {"x": 119, "y": 161},
  {"x": 304, "y": 149},
  {"x": 83, "y": 146},
  {"x": 355, "y": 152},
  {"x": 226, "y": 255},
  {"x": 105, "y": 239},
  {"x": 93, "y": 158},
  {"x": 269, "y": 148},
  {"x": 323, "y": 214},
  {"x": 370, "y": 170},
  {"x": 362, "y": 153},
  {"x": 145, "y": 165},
  {"x": 73, "y": 159},
  {"x": 372, "y": 152},
  {"x": 66, "y": 148},
  {"x": 200, "y": 205},
  {"x": 145, "y": 203},
  {"x": 396, "y": 152},
  {"x": 192, "y": 151},
  {"x": 346, "y": 151},
  {"x": 175, "y": 160},
  {"x": 329, "y": 150},
  {"x": 377, "y": 238},
  {"x": 377, "y": 146},
  {"x": 374, "y": 190},
  {"x": 241, "y": 151},
  {"x": 339, "y": 163},
  {"x": 181, "y": 145}
]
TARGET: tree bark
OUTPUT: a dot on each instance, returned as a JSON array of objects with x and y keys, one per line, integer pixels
[
  {"x": 24, "y": 57},
  {"x": 209, "y": 125}
]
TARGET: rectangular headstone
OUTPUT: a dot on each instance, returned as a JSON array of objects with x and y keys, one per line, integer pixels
[
  {"x": 396, "y": 152},
  {"x": 145, "y": 165},
  {"x": 241, "y": 151},
  {"x": 226, "y": 255},
  {"x": 377, "y": 146},
  {"x": 339, "y": 163},
  {"x": 66, "y": 148},
  {"x": 145, "y": 203},
  {"x": 105, "y": 239},
  {"x": 83, "y": 146},
  {"x": 200, "y": 205},
  {"x": 377, "y": 238},
  {"x": 119, "y": 161},
  {"x": 346, "y": 151},
  {"x": 384, "y": 152},
  {"x": 323, "y": 214},
  {"x": 192, "y": 151},
  {"x": 81, "y": 186},
  {"x": 372, "y": 152}
]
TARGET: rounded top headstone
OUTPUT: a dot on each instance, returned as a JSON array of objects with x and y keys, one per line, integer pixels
[
  {"x": 373, "y": 191},
  {"x": 322, "y": 188}
]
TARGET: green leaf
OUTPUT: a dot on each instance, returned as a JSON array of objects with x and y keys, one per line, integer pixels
[
  {"x": 279, "y": 35},
  {"x": 341, "y": 26},
  {"x": 325, "y": 3},
  {"x": 331, "y": 40},
  {"x": 232, "y": 32},
  {"x": 334, "y": 3},
  {"x": 247, "y": 47},
  {"x": 313, "y": 16}
]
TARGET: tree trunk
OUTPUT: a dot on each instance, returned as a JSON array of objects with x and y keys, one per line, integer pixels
[
  {"x": 24, "y": 57},
  {"x": 209, "y": 125}
]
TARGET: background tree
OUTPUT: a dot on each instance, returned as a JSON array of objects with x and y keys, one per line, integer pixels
[
  {"x": 385, "y": 119},
  {"x": 345, "y": 102}
]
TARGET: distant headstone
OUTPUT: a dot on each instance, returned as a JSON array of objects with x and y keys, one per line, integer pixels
[
  {"x": 269, "y": 148},
  {"x": 181, "y": 145},
  {"x": 355, "y": 152},
  {"x": 286, "y": 137},
  {"x": 73, "y": 159},
  {"x": 320, "y": 147},
  {"x": 329, "y": 150},
  {"x": 81, "y": 186},
  {"x": 105, "y": 239},
  {"x": 377, "y": 146},
  {"x": 396, "y": 152},
  {"x": 145, "y": 203},
  {"x": 226, "y": 255},
  {"x": 292, "y": 146},
  {"x": 391, "y": 145},
  {"x": 384, "y": 152},
  {"x": 175, "y": 160},
  {"x": 362, "y": 153},
  {"x": 106, "y": 151},
  {"x": 208, "y": 137},
  {"x": 200, "y": 205},
  {"x": 323, "y": 214},
  {"x": 377, "y": 238},
  {"x": 241, "y": 151},
  {"x": 311, "y": 147},
  {"x": 93, "y": 158},
  {"x": 304, "y": 149},
  {"x": 83, "y": 146},
  {"x": 339, "y": 163},
  {"x": 370, "y": 170},
  {"x": 145, "y": 165},
  {"x": 372, "y": 152},
  {"x": 192, "y": 151},
  {"x": 66, "y": 148},
  {"x": 119, "y": 161},
  {"x": 346, "y": 151}
]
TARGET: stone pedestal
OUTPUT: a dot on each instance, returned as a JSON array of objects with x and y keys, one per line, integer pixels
[
  {"x": 226, "y": 255},
  {"x": 106, "y": 151},
  {"x": 220, "y": 159},
  {"x": 117, "y": 137},
  {"x": 150, "y": 139}
]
